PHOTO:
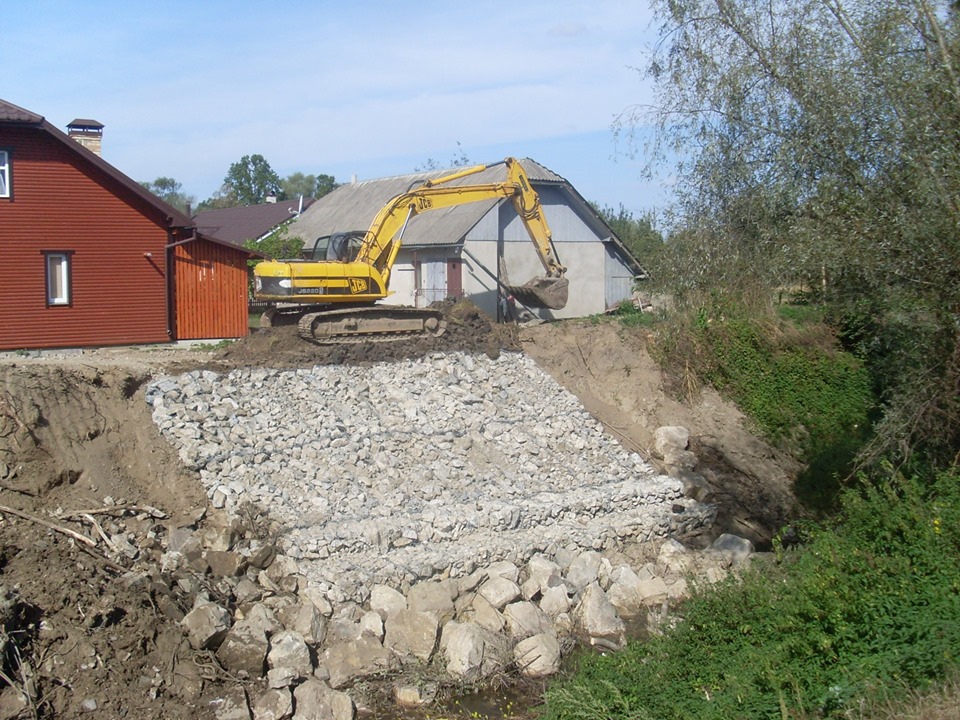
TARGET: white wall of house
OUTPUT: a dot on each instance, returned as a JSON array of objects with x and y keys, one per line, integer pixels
[{"x": 419, "y": 276}]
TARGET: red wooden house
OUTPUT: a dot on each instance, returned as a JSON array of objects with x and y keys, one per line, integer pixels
[{"x": 89, "y": 257}]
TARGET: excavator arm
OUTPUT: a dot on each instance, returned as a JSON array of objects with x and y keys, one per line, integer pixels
[{"x": 383, "y": 240}]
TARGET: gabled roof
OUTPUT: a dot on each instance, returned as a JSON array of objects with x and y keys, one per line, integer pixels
[
  {"x": 11, "y": 114},
  {"x": 250, "y": 222},
  {"x": 355, "y": 205}
]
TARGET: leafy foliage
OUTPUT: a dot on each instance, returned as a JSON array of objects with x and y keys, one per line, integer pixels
[
  {"x": 309, "y": 186},
  {"x": 171, "y": 192},
  {"x": 637, "y": 233},
  {"x": 819, "y": 147},
  {"x": 277, "y": 245},
  {"x": 871, "y": 601},
  {"x": 251, "y": 180},
  {"x": 794, "y": 384}
]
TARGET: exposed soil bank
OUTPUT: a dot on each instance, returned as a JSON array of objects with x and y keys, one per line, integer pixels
[{"x": 76, "y": 435}]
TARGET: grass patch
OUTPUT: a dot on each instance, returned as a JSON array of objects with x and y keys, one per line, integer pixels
[
  {"x": 629, "y": 316},
  {"x": 801, "y": 315},
  {"x": 211, "y": 346},
  {"x": 801, "y": 392},
  {"x": 861, "y": 610}
]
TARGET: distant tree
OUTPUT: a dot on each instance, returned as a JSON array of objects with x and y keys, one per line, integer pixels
[
  {"x": 222, "y": 198},
  {"x": 459, "y": 159},
  {"x": 637, "y": 233},
  {"x": 315, "y": 186},
  {"x": 817, "y": 145},
  {"x": 171, "y": 192},
  {"x": 326, "y": 184},
  {"x": 251, "y": 180}
]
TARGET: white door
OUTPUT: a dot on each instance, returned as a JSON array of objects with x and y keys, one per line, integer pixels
[{"x": 432, "y": 285}]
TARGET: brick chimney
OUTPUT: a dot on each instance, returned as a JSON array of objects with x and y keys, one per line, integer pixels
[{"x": 88, "y": 133}]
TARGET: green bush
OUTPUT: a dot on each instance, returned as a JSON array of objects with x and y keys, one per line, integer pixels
[
  {"x": 872, "y": 604},
  {"x": 800, "y": 393}
]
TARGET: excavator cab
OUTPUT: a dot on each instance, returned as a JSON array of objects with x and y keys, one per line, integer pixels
[{"x": 338, "y": 247}]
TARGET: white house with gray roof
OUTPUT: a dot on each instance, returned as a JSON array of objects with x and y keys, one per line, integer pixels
[{"x": 471, "y": 250}]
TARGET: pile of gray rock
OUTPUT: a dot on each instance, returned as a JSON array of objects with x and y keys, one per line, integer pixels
[
  {"x": 458, "y": 515},
  {"x": 266, "y": 623},
  {"x": 398, "y": 472}
]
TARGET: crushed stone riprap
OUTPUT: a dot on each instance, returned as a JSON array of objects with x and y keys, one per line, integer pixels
[{"x": 394, "y": 472}]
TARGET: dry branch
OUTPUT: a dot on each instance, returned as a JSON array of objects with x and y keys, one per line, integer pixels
[{"x": 40, "y": 521}]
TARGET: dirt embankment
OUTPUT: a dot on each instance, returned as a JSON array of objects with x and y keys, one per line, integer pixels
[{"x": 77, "y": 445}]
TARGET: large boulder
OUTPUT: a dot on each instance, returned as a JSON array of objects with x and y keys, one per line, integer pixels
[
  {"x": 317, "y": 701},
  {"x": 289, "y": 650},
  {"x": 598, "y": 619},
  {"x": 274, "y": 704},
  {"x": 305, "y": 619},
  {"x": 543, "y": 572},
  {"x": 524, "y": 619},
  {"x": 486, "y": 615},
  {"x": 244, "y": 648},
  {"x": 538, "y": 655},
  {"x": 736, "y": 549},
  {"x": 386, "y": 601},
  {"x": 349, "y": 661},
  {"x": 624, "y": 592},
  {"x": 584, "y": 570},
  {"x": 471, "y": 652},
  {"x": 499, "y": 591},
  {"x": 410, "y": 633},
  {"x": 433, "y": 597},
  {"x": 206, "y": 625},
  {"x": 230, "y": 704}
]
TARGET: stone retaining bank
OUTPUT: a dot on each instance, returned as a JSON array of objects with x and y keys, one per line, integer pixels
[
  {"x": 395, "y": 473},
  {"x": 444, "y": 519},
  {"x": 301, "y": 657}
]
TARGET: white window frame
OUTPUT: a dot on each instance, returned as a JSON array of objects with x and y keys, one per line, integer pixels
[
  {"x": 57, "y": 274},
  {"x": 4, "y": 173}
]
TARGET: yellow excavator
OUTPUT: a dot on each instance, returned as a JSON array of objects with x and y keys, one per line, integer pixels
[{"x": 335, "y": 287}]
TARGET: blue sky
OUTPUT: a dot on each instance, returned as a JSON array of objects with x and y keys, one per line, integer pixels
[{"x": 365, "y": 89}]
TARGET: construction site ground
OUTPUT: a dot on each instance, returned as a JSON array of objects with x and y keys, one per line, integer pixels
[{"x": 76, "y": 436}]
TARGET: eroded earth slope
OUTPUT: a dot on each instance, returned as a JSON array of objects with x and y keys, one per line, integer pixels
[{"x": 90, "y": 494}]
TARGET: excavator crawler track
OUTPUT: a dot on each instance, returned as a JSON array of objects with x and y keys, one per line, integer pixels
[{"x": 381, "y": 323}]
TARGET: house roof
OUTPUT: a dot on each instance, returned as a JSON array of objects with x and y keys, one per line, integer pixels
[
  {"x": 250, "y": 222},
  {"x": 354, "y": 207},
  {"x": 11, "y": 114}
]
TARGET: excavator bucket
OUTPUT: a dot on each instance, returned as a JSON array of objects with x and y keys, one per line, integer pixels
[{"x": 542, "y": 292}]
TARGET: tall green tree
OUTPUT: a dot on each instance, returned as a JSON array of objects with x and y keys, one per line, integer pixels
[
  {"x": 819, "y": 142},
  {"x": 171, "y": 192},
  {"x": 251, "y": 180}
]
